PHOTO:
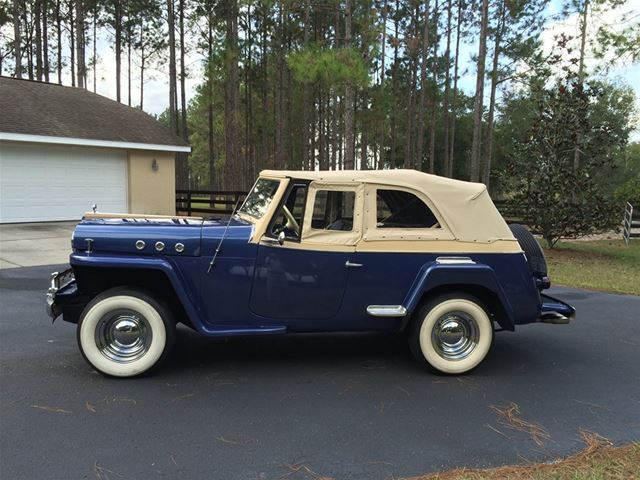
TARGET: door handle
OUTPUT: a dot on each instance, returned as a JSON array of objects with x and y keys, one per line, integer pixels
[{"x": 349, "y": 264}]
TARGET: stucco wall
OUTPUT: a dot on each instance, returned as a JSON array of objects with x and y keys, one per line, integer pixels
[{"x": 152, "y": 191}]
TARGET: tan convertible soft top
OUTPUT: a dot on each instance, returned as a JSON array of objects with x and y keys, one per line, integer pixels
[{"x": 465, "y": 207}]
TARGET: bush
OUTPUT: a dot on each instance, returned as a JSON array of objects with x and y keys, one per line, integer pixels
[
  {"x": 629, "y": 192},
  {"x": 555, "y": 174}
]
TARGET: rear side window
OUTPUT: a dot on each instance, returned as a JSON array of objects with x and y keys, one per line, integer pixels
[
  {"x": 333, "y": 210},
  {"x": 399, "y": 209}
]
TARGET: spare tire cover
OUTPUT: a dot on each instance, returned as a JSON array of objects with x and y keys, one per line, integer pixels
[{"x": 532, "y": 249}]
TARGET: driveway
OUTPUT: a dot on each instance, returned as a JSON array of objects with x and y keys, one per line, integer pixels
[
  {"x": 294, "y": 407},
  {"x": 30, "y": 244}
]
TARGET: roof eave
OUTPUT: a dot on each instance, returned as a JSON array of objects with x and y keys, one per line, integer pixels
[{"x": 86, "y": 142}]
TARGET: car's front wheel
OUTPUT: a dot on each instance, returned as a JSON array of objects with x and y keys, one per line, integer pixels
[
  {"x": 452, "y": 333},
  {"x": 124, "y": 332}
]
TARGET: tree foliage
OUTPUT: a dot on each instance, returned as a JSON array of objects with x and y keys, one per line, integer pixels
[{"x": 558, "y": 199}]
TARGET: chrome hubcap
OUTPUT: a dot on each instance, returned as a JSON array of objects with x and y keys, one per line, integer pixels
[
  {"x": 455, "y": 335},
  {"x": 123, "y": 336}
]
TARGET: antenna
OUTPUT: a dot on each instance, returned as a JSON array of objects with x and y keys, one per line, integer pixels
[{"x": 224, "y": 235}]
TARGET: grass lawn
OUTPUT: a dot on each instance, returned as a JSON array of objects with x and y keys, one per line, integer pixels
[
  {"x": 600, "y": 265},
  {"x": 596, "y": 462}
]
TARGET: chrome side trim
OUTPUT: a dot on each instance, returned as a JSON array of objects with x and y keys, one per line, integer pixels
[
  {"x": 386, "y": 310},
  {"x": 454, "y": 260}
]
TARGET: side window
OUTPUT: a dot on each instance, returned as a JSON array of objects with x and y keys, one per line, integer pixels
[
  {"x": 399, "y": 209},
  {"x": 333, "y": 210},
  {"x": 290, "y": 215}
]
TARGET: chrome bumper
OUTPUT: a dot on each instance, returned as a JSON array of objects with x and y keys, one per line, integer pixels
[{"x": 59, "y": 280}]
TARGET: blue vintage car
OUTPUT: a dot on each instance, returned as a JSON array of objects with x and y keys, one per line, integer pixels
[{"x": 340, "y": 251}]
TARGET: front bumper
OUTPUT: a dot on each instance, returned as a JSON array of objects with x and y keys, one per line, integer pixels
[{"x": 59, "y": 281}]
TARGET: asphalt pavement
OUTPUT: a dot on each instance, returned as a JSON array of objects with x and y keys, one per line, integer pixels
[{"x": 307, "y": 406}]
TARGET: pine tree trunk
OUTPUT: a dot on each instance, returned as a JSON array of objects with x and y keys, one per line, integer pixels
[
  {"x": 118, "y": 46},
  {"x": 95, "y": 49},
  {"x": 486, "y": 173},
  {"x": 37, "y": 6},
  {"x": 394, "y": 88},
  {"x": 349, "y": 153},
  {"x": 304, "y": 150},
  {"x": 45, "y": 39},
  {"x": 423, "y": 87},
  {"x": 129, "y": 67},
  {"x": 445, "y": 99},
  {"x": 172, "y": 67},
  {"x": 212, "y": 163},
  {"x": 383, "y": 114},
  {"x": 454, "y": 101},
  {"x": 72, "y": 44},
  {"x": 266, "y": 154},
  {"x": 59, "y": 41},
  {"x": 231, "y": 95},
  {"x": 184, "y": 131},
  {"x": 279, "y": 110},
  {"x": 17, "y": 7},
  {"x": 434, "y": 101},
  {"x": 28, "y": 43},
  {"x": 476, "y": 145},
  {"x": 81, "y": 70},
  {"x": 142, "y": 61}
]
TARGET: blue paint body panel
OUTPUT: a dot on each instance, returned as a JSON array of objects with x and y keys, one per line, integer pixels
[{"x": 263, "y": 289}]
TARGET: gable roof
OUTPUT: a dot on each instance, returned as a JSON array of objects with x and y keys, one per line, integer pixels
[{"x": 52, "y": 113}]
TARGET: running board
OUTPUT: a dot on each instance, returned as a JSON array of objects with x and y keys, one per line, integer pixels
[{"x": 237, "y": 330}]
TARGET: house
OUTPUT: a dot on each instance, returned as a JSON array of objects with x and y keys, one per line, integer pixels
[{"x": 63, "y": 149}]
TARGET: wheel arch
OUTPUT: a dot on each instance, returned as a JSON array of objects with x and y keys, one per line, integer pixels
[
  {"x": 487, "y": 297},
  {"x": 158, "y": 279},
  {"x": 477, "y": 280}
]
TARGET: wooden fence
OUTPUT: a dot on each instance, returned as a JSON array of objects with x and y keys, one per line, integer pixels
[{"x": 189, "y": 202}]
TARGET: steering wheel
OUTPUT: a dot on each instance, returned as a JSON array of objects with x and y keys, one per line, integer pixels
[{"x": 292, "y": 224}]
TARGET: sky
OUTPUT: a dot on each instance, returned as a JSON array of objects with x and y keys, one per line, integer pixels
[{"x": 157, "y": 89}]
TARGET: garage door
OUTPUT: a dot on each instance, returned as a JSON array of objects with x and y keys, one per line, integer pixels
[{"x": 52, "y": 182}]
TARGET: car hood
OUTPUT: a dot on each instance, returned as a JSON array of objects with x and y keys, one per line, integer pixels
[{"x": 182, "y": 237}]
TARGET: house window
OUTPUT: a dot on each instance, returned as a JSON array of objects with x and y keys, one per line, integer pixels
[
  {"x": 333, "y": 210},
  {"x": 400, "y": 209},
  {"x": 291, "y": 213}
]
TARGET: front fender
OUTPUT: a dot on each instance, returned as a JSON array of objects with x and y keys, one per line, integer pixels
[
  {"x": 434, "y": 275},
  {"x": 149, "y": 263}
]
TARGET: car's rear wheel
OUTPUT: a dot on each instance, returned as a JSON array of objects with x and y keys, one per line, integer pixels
[
  {"x": 125, "y": 332},
  {"x": 451, "y": 334}
]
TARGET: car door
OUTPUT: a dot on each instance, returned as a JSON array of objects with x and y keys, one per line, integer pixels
[
  {"x": 301, "y": 267},
  {"x": 399, "y": 224}
]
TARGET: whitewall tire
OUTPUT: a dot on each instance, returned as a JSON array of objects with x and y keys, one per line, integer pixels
[
  {"x": 124, "y": 332},
  {"x": 452, "y": 334}
]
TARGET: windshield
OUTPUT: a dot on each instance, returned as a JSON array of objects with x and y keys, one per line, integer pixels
[{"x": 260, "y": 197}]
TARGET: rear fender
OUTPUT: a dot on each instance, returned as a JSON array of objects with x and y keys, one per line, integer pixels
[{"x": 437, "y": 277}]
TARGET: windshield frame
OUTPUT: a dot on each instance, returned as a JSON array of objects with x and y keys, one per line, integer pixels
[{"x": 265, "y": 210}]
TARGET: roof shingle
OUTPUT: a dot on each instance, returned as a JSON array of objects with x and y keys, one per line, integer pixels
[{"x": 37, "y": 108}]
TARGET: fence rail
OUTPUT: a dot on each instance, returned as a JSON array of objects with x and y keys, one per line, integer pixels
[{"x": 222, "y": 202}]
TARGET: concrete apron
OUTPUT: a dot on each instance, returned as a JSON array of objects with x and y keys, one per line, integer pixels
[{"x": 32, "y": 244}]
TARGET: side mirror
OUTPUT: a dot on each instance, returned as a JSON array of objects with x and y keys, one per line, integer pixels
[{"x": 281, "y": 237}]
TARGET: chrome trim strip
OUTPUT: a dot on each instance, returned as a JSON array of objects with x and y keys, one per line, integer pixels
[
  {"x": 454, "y": 260},
  {"x": 386, "y": 310}
]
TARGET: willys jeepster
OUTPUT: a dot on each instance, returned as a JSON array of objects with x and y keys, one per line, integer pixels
[{"x": 336, "y": 251}]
